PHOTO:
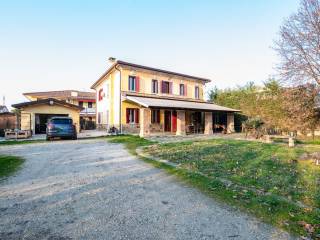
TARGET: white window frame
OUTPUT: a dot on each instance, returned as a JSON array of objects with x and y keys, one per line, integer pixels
[{"x": 132, "y": 116}]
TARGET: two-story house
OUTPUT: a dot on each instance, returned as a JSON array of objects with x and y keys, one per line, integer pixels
[{"x": 146, "y": 100}]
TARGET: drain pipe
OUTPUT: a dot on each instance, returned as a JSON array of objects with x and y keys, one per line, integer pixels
[{"x": 120, "y": 103}]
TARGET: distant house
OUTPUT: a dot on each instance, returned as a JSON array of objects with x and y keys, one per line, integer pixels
[
  {"x": 147, "y": 100},
  {"x": 8, "y": 120},
  {"x": 43, "y": 105},
  {"x": 3, "y": 109},
  {"x": 87, "y": 100}
]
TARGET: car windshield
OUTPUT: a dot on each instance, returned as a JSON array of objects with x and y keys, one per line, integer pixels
[{"x": 61, "y": 121}]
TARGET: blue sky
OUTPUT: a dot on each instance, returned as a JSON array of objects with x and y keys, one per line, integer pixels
[{"x": 53, "y": 45}]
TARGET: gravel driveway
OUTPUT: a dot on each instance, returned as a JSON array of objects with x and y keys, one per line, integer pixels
[{"x": 91, "y": 189}]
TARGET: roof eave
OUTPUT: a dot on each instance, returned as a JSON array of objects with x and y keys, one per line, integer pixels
[
  {"x": 44, "y": 101},
  {"x": 93, "y": 86}
]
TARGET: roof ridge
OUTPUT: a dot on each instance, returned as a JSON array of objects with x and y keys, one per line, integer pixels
[
  {"x": 66, "y": 90},
  {"x": 119, "y": 62}
]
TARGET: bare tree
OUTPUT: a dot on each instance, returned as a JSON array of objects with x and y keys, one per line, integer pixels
[
  {"x": 299, "y": 45},
  {"x": 300, "y": 106}
]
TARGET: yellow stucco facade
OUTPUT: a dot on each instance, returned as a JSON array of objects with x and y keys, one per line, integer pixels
[
  {"x": 110, "y": 83},
  {"x": 146, "y": 78}
]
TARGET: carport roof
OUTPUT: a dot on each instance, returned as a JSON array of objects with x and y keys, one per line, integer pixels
[
  {"x": 178, "y": 104},
  {"x": 48, "y": 101}
]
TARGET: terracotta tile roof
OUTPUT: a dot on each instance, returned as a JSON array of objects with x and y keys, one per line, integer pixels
[
  {"x": 49, "y": 101},
  {"x": 123, "y": 63},
  {"x": 63, "y": 94}
]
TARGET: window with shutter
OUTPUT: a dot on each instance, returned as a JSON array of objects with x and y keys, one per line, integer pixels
[
  {"x": 196, "y": 92},
  {"x": 154, "y": 86},
  {"x": 127, "y": 115},
  {"x": 132, "y": 83},
  {"x": 136, "y": 120},
  {"x": 182, "y": 90},
  {"x": 166, "y": 87},
  {"x": 100, "y": 97},
  {"x": 137, "y": 84},
  {"x": 132, "y": 115}
]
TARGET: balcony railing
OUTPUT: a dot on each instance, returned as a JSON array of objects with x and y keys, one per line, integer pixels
[{"x": 88, "y": 111}]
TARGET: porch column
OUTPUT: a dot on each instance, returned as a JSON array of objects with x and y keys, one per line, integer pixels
[
  {"x": 230, "y": 122},
  {"x": 208, "y": 123},
  {"x": 145, "y": 121},
  {"x": 181, "y": 122}
]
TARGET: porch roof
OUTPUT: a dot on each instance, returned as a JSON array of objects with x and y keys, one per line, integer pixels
[{"x": 178, "y": 104}]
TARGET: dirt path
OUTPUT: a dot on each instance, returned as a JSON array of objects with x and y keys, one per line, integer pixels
[{"x": 91, "y": 189}]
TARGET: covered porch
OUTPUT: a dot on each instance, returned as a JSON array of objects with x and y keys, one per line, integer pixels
[{"x": 175, "y": 117}]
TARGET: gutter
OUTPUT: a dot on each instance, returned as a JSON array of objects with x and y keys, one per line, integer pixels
[{"x": 120, "y": 103}]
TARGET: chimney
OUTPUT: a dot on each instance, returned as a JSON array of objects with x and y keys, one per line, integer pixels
[{"x": 112, "y": 60}]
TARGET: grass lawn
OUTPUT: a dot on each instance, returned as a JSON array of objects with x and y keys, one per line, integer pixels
[
  {"x": 265, "y": 180},
  {"x": 9, "y": 164},
  {"x": 16, "y": 142}
]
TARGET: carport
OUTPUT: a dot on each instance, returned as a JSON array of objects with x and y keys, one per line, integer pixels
[{"x": 35, "y": 114}]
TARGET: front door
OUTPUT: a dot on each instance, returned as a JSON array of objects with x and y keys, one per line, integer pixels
[
  {"x": 174, "y": 121},
  {"x": 167, "y": 121}
]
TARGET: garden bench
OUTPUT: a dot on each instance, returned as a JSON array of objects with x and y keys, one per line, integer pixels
[{"x": 269, "y": 139}]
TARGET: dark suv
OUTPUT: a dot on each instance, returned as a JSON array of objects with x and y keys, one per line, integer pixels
[{"x": 61, "y": 127}]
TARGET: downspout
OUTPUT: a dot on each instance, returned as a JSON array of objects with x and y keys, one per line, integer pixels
[{"x": 120, "y": 103}]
